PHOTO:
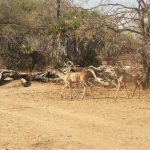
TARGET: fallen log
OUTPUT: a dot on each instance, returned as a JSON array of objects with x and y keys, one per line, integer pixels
[
  {"x": 26, "y": 78},
  {"x": 25, "y": 83},
  {"x": 4, "y": 73}
]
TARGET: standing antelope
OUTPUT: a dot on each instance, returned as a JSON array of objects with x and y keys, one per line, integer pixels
[
  {"x": 76, "y": 77},
  {"x": 125, "y": 78}
]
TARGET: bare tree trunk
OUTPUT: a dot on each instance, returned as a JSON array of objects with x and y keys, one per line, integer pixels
[
  {"x": 58, "y": 8},
  {"x": 145, "y": 60}
]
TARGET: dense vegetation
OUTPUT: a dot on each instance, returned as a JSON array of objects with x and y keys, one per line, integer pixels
[{"x": 31, "y": 36}]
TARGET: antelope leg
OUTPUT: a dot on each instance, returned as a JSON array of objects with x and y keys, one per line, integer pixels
[
  {"x": 61, "y": 94},
  {"x": 125, "y": 86},
  {"x": 118, "y": 88},
  {"x": 91, "y": 91},
  {"x": 85, "y": 88}
]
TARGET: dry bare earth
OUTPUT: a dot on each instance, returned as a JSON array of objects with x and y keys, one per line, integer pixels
[{"x": 35, "y": 118}]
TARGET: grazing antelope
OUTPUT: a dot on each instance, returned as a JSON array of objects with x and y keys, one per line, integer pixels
[
  {"x": 125, "y": 78},
  {"x": 81, "y": 77}
]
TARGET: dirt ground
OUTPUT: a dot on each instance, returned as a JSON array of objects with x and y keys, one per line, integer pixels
[{"x": 36, "y": 118}]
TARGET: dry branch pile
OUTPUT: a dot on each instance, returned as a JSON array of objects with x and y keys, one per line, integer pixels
[
  {"x": 105, "y": 75},
  {"x": 26, "y": 78}
]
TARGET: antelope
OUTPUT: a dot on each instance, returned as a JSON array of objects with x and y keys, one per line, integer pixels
[
  {"x": 125, "y": 78},
  {"x": 69, "y": 78}
]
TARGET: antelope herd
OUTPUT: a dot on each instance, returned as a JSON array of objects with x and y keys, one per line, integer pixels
[{"x": 105, "y": 75}]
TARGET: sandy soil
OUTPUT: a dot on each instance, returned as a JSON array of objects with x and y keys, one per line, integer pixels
[{"x": 35, "y": 118}]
